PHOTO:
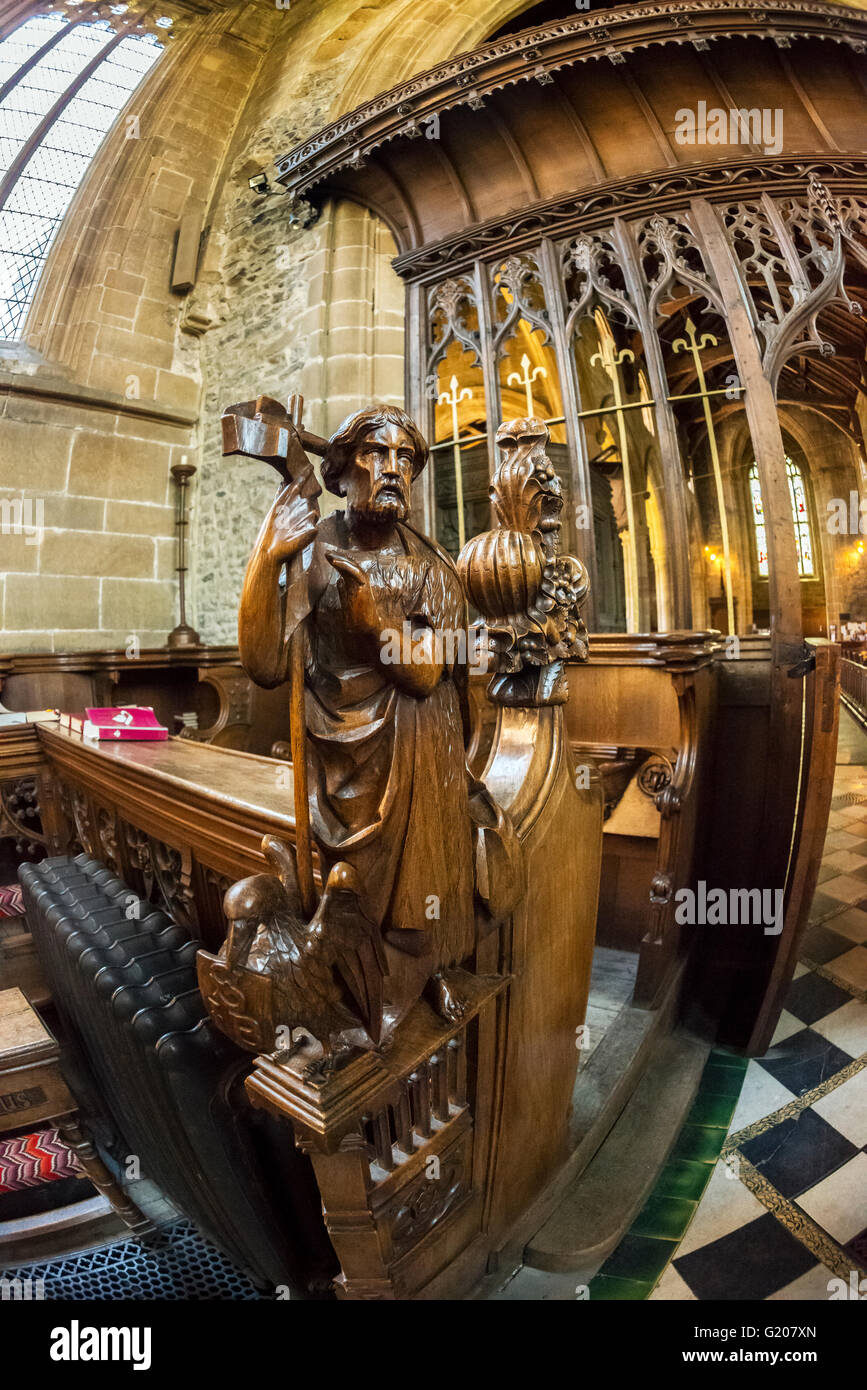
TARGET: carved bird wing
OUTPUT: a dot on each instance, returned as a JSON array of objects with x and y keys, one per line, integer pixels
[
  {"x": 282, "y": 860},
  {"x": 340, "y": 931}
]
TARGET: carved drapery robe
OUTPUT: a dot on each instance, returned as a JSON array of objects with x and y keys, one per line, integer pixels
[{"x": 387, "y": 771}]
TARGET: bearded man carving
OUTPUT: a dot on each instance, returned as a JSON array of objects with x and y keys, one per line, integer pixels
[{"x": 386, "y": 721}]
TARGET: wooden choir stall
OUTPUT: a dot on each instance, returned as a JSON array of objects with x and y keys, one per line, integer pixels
[{"x": 347, "y": 985}]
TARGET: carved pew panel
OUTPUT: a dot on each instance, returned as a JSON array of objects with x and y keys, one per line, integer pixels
[
  {"x": 654, "y": 693},
  {"x": 179, "y": 821}
]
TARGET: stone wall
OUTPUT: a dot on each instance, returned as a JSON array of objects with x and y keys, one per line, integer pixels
[
  {"x": 103, "y": 396},
  {"x": 316, "y": 310},
  {"x": 118, "y": 378}
]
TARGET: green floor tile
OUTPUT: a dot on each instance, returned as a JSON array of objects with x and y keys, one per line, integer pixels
[
  {"x": 603, "y": 1287},
  {"x": 665, "y": 1218},
  {"x": 720, "y": 1058},
  {"x": 699, "y": 1143},
  {"x": 722, "y": 1081},
  {"x": 715, "y": 1111},
  {"x": 640, "y": 1258},
  {"x": 681, "y": 1177}
]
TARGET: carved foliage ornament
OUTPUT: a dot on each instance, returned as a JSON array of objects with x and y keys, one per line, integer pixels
[
  {"x": 453, "y": 316},
  {"x": 671, "y": 255},
  {"x": 625, "y": 197},
  {"x": 519, "y": 58},
  {"x": 792, "y": 260},
  {"x": 529, "y": 595},
  {"x": 19, "y": 815},
  {"x": 519, "y": 294},
  {"x": 593, "y": 261}
]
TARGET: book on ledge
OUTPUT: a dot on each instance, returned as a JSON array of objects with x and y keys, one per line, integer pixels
[
  {"x": 9, "y": 717},
  {"x": 122, "y": 722}
]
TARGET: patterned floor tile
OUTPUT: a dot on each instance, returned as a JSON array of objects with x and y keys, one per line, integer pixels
[
  {"x": 726, "y": 1206},
  {"x": 841, "y": 839},
  {"x": 797, "y": 1154},
  {"x": 845, "y": 861},
  {"x": 822, "y": 943},
  {"x": 804, "y": 1061},
  {"x": 823, "y": 906},
  {"x": 673, "y": 1288},
  {"x": 665, "y": 1218},
  {"x": 753, "y": 1262},
  {"x": 787, "y": 1024},
  {"x": 846, "y": 1109},
  {"x": 836, "y": 1203},
  {"x": 852, "y": 924},
  {"x": 846, "y": 811},
  {"x": 813, "y": 997},
  {"x": 683, "y": 1177},
  {"x": 761, "y": 1095},
  {"x": 847, "y": 888},
  {"x": 857, "y": 1248},
  {"x": 812, "y": 1286},
  {"x": 639, "y": 1258},
  {"x": 698, "y": 1143},
  {"x": 621, "y": 1290},
  {"x": 846, "y": 1028},
  {"x": 852, "y": 967}
]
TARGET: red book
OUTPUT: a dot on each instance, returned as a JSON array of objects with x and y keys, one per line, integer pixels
[{"x": 123, "y": 722}]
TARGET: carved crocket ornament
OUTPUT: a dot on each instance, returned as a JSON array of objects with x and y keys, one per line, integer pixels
[
  {"x": 399, "y": 824},
  {"x": 528, "y": 593}
]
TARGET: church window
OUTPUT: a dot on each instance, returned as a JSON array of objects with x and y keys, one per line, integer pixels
[
  {"x": 63, "y": 84},
  {"x": 800, "y": 514}
]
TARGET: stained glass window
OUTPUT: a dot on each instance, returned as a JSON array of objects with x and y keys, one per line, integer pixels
[
  {"x": 802, "y": 519},
  {"x": 800, "y": 515},
  {"x": 62, "y": 85}
]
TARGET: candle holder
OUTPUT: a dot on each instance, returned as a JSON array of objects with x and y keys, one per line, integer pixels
[{"x": 183, "y": 635}]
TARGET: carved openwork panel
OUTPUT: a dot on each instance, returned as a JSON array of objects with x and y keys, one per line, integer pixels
[
  {"x": 518, "y": 294},
  {"x": 82, "y": 816},
  {"x": 453, "y": 316},
  {"x": 773, "y": 279},
  {"x": 671, "y": 255},
  {"x": 20, "y": 819},
  {"x": 159, "y": 873},
  {"x": 456, "y": 387},
  {"x": 429, "y": 1199},
  {"x": 593, "y": 276},
  {"x": 106, "y": 826}
]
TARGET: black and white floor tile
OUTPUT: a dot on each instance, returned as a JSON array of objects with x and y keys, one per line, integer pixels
[{"x": 785, "y": 1212}]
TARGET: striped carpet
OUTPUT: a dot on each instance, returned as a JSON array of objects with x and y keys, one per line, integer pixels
[
  {"x": 28, "y": 1160},
  {"x": 11, "y": 901}
]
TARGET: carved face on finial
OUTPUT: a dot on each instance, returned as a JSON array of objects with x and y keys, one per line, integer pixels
[{"x": 526, "y": 491}]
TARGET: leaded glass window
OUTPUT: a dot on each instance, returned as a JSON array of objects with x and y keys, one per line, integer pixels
[
  {"x": 800, "y": 515},
  {"x": 62, "y": 86}
]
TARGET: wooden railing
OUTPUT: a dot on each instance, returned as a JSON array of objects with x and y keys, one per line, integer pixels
[{"x": 853, "y": 686}]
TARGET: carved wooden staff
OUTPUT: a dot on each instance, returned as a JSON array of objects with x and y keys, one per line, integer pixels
[{"x": 260, "y": 429}]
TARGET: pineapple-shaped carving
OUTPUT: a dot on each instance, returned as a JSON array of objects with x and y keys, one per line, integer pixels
[{"x": 528, "y": 594}]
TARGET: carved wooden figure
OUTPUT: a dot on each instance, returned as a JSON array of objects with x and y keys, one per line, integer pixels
[{"x": 376, "y": 615}]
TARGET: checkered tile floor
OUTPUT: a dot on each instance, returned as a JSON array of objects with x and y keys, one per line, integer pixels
[{"x": 785, "y": 1210}]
